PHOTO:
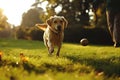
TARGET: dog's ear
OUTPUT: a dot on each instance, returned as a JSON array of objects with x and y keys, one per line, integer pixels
[
  {"x": 49, "y": 21},
  {"x": 65, "y": 22}
]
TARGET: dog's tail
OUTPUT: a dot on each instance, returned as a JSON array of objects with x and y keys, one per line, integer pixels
[{"x": 41, "y": 26}]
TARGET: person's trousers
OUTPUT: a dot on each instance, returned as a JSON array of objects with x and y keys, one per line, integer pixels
[{"x": 113, "y": 20}]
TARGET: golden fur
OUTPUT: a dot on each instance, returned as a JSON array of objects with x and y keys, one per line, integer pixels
[{"x": 54, "y": 32}]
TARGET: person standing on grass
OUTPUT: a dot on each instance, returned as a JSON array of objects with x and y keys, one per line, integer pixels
[{"x": 113, "y": 19}]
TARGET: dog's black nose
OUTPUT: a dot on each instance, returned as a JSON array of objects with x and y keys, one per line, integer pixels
[{"x": 59, "y": 28}]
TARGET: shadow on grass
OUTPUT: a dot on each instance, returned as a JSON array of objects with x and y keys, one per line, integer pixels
[
  {"x": 25, "y": 65},
  {"x": 110, "y": 66},
  {"x": 23, "y": 44},
  {"x": 32, "y": 68}
]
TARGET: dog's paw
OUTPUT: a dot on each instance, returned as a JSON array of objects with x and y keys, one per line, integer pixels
[{"x": 51, "y": 51}]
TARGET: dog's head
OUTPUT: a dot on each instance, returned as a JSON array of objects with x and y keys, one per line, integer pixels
[{"x": 57, "y": 23}]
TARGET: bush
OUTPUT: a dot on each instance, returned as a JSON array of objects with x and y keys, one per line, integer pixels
[
  {"x": 6, "y": 33},
  {"x": 36, "y": 34},
  {"x": 95, "y": 36},
  {"x": 73, "y": 34},
  {"x": 29, "y": 33}
]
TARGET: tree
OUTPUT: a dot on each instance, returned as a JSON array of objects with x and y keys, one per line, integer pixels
[
  {"x": 5, "y": 29},
  {"x": 27, "y": 30},
  {"x": 31, "y": 17},
  {"x": 76, "y": 11},
  {"x": 3, "y": 20}
]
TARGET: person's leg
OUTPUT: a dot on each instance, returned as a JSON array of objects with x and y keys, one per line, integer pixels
[
  {"x": 110, "y": 21},
  {"x": 116, "y": 30}
]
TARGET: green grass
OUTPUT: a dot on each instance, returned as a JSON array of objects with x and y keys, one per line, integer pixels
[{"x": 76, "y": 62}]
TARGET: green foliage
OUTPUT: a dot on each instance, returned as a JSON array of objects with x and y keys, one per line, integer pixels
[
  {"x": 30, "y": 18},
  {"x": 94, "y": 35},
  {"x": 76, "y": 62},
  {"x": 27, "y": 28},
  {"x": 5, "y": 30},
  {"x": 3, "y": 20},
  {"x": 29, "y": 33},
  {"x": 73, "y": 10},
  {"x": 82, "y": 12},
  {"x": 77, "y": 14}
]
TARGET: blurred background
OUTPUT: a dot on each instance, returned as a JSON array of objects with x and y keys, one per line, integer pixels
[{"x": 85, "y": 19}]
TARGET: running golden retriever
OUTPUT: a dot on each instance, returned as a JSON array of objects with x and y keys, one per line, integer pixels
[{"x": 54, "y": 32}]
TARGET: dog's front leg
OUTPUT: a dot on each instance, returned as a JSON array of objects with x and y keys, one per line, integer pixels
[
  {"x": 50, "y": 47},
  {"x": 58, "y": 51}
]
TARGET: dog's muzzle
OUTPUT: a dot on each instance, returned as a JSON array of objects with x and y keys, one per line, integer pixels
[{"x": 59, "y": 27}]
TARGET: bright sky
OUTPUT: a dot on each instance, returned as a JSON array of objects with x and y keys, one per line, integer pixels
[{"x": 14, "y": 9}]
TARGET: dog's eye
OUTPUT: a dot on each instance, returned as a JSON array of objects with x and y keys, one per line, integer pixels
[
  {"x": 61, "y": 21},
  {"x": 55, "y": 21}
]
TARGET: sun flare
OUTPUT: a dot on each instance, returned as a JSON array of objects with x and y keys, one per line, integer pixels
[{"x": 14, "y": 9}]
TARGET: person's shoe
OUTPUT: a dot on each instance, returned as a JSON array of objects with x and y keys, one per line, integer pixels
[{"x": 117, "y": 45}]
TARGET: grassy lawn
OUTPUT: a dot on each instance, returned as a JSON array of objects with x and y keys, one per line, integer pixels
[{"x": 76, "y": 62}]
